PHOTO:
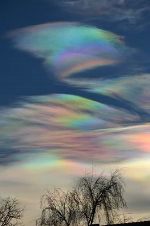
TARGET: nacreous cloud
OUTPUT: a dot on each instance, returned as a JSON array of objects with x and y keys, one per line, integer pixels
[
  {"x": 133, "y": 88},
  {"x": 72, "y": 128},
  {"x": 69, "y": 48}
]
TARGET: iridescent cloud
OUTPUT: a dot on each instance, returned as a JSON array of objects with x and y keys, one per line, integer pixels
[
  {"x": 69, "y": 48},
  {"x": 134, "y": 88},
  {"x": 73, "y": 128},
  {"x": 49, "y": 140}
]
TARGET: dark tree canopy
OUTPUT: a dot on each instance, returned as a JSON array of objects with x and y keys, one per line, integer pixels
[{"x": 95, "y": 197}]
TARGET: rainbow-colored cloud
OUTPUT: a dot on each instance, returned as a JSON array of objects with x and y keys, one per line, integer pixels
[
  {"x": 72, "y": 128},
  {"x": 133, "y": 88},
  {"x": 69, "y": 48}
]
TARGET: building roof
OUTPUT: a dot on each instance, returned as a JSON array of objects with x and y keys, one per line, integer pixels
[{"x": 141, "y": 223}]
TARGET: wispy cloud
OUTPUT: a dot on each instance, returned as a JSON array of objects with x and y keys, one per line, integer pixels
[
  {"x": 73, "y": 128},
  {"x": 133, "y": 88},
  {"x": 69, "y": 125},
  {"x": 123, "y": 11},
  {"x": 50, "y": 140}
]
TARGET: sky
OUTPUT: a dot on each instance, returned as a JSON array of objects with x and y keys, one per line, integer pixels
[{"x": 74, "y": 96}]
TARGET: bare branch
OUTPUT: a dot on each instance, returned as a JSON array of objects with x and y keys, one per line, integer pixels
[
  {"x": 10, "y": 212},
  {"x": 95, "y": 196}
]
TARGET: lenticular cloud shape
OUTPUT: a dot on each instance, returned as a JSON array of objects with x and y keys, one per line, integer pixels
[{"x": 69, "y": 48}]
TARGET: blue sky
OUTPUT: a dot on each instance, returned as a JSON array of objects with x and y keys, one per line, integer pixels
[{"x": 74, "y": 92}]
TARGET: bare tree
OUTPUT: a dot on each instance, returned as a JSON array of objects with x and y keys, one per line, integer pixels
[
  {"x": 99, "y": 197},
  {"x": 58, "y": 209},
  {"x": 94, "y": 197},
  {"x": 10, "y": 212}
]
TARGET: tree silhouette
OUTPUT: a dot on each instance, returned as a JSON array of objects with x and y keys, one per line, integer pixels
[
  {"x": 99, "y": 197},
  {"x": 10, "y": 212},
  {"x": 58, "y": 208},
  {"x": 95, "y": 197}
]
